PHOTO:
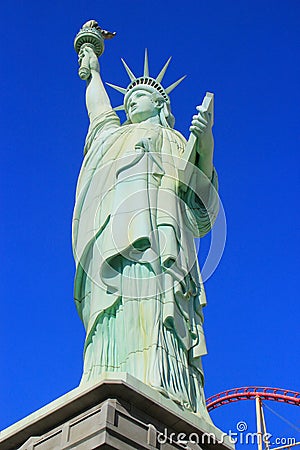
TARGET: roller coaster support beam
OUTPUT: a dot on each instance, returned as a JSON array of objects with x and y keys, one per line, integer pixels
[{"x": 262, "y": 436}]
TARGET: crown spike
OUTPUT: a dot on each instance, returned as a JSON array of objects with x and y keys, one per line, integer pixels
[
  {"x": 129, "y": 72},
  {"x": 119, "y": 108},
  {"x": 146, "y": 64},
  {"x": 117, "y": 88},
  {"x": 163, "y": 71},
  {"x": 174, "y": 85}
]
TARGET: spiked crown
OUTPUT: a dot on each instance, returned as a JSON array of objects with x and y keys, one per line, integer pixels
[{"x": 145, "y": 82}]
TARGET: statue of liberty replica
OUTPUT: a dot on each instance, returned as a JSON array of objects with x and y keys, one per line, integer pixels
[{"x": 142, "y": 196}]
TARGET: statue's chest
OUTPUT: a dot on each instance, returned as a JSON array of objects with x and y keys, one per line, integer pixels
[{"x": 142, "y": 137}]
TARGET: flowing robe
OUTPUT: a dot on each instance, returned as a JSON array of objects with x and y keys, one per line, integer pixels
[{"x": 138, "y": 288}]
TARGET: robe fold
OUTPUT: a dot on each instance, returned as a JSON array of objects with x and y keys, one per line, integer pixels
[{"x": 138, "y": 287}]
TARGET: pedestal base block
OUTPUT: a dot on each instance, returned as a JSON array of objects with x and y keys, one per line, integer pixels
[{"x": 119, "y": 412}]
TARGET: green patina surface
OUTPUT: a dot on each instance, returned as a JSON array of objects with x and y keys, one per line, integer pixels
[{"x": 143, "y": 194}]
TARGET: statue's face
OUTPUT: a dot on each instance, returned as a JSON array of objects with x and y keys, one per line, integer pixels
[{"x": 141, "y": 106}]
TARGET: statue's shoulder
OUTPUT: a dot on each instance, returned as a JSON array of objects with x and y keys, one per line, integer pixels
[
  {"x": 105, "y": 123},
  {"x": 175, "y": 134},
  {"x": 108, "y": 117}
]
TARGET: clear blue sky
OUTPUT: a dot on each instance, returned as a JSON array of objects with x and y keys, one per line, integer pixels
[{"x": 247, "y": 53}]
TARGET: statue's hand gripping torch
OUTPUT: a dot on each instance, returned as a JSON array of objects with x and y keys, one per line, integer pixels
[{"x": 91, "y": 35}]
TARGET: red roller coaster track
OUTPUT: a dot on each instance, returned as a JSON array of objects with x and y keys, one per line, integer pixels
[{"x": 251, "y": 393}]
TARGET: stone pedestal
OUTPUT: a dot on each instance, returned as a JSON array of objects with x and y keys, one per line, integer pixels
[{"x": 119, "y": 412}]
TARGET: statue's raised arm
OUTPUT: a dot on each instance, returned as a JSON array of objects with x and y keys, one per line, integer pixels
[
  {"x": 89, "y": 44},
  {"x": 97, "y": 100}
]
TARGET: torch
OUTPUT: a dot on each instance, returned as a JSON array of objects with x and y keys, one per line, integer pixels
[{"x": 91, "y": 35}]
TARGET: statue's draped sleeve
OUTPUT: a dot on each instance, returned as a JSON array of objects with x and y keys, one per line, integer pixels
[
  {"x": 201, "y": 208},
  {"x": 102, "y": 125}
]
